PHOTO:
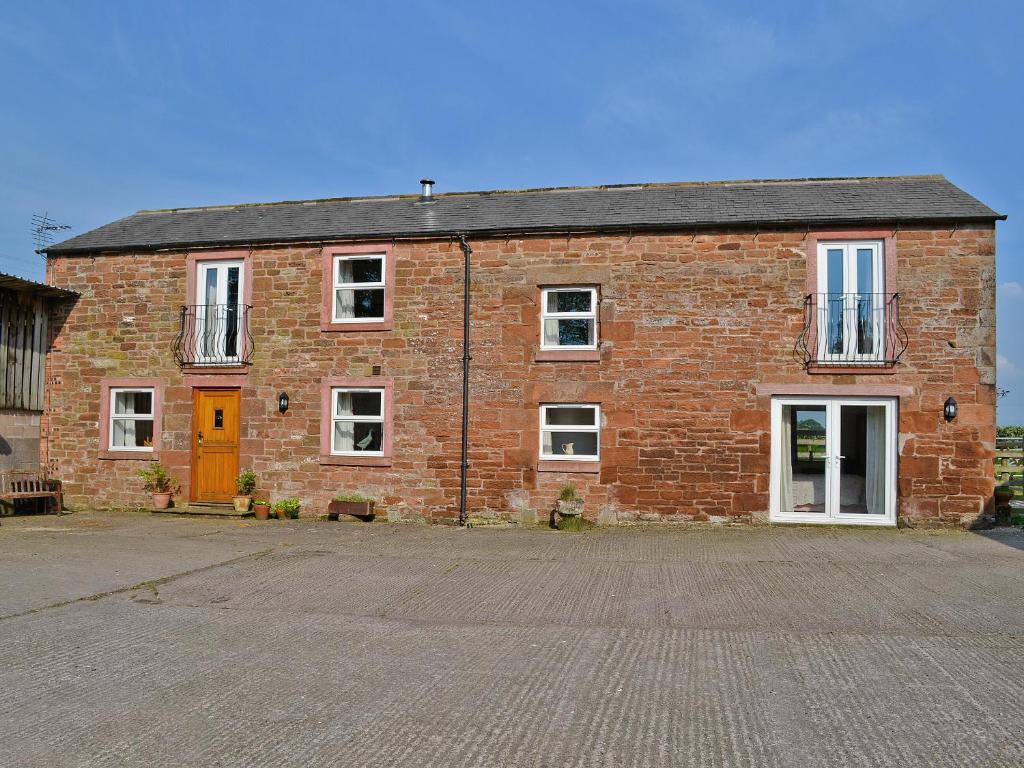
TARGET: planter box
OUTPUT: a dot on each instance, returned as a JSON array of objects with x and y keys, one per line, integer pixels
[
  {"x": 361, "y": 509},
  {"x": 569, "y": 508}
]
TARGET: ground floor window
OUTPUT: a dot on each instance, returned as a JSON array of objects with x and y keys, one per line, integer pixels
[
  {"x": 570, "y": 432},
  {"x": 357, "y": 422},
  {"x": 834, "y": 460},
  {"x": 131, "y": 419},
  {"x": 129, "y": 424}
]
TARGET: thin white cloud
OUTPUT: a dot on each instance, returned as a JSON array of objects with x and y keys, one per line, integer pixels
[
  {"x": 1012, "y": 290},
  {"x": 1006, "y": 365}
]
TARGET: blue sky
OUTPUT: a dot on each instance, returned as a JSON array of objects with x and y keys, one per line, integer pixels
[{"x": 109, "y": 107}]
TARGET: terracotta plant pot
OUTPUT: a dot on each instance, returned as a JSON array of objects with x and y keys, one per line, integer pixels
[
  {"x": 361, "y": 509},
  {"x": 262, "y": 511},
  {"x": 242, "y": 503},
  {"x": 161, "y": 500}
]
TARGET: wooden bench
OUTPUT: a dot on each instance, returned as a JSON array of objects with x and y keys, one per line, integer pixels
[{"x": 18, "y": 485}]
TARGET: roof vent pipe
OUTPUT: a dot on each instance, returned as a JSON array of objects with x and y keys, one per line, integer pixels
[{"x": 427, "y": 191}]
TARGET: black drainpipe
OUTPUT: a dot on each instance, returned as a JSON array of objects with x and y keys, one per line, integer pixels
[{"x": 467, "y": 252}]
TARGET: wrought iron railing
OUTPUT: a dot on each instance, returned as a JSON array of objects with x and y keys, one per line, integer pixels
[
  {"x": 214, "y": 334},
  {"x": 852, "y": 329}
]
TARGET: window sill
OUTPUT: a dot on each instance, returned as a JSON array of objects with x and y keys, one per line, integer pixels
[
  {"x": 580, "y": 467},
  {"x": 380, "y": 325},
  {"x": 355, "y": 461},
  {"x": 846, "y": 370},
  {"x": 568, "y": 355},
  {"x": 129, "y": 455}
]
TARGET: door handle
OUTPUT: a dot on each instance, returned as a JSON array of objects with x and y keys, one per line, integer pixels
[{"x": 199, "y": 435}]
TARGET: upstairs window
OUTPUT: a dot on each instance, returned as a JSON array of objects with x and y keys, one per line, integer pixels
[
  {"x": 569, "y": 318},
  {"x": 570, "y": 432},
  {"x": 357, "y": 422},
  {"x": 131, "y": 419},
  {"x": 851, "y": 304},
  {"x": 359, "y": 287}
]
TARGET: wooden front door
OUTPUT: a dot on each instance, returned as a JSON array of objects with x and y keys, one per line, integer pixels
[{"x": 215, "y": 432}]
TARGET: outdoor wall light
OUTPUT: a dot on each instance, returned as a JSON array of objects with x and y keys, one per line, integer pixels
[
  {"x": 949, "y": 409},
  {"x": 282, "y": 402}
]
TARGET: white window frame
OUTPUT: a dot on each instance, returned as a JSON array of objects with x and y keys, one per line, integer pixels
[
  {"x": 339, "y": 286},
  {"x": 112, "y": 416},
  {"x": 545, "y": 315},
  {"x": 204, "y": 312},
  {"x": 545, "y": 427},
  {"x": 381, "y": 419},
  {"x": 850, "y": 289}
]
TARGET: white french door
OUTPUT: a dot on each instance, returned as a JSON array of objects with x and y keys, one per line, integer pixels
[
  {"x": 833, "y": 460},
  {"x": 218, "y": 311},
  {"x": 851, "y": 303}
]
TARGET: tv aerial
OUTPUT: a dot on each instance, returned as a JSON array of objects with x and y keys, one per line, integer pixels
[{"x": 44, "y": 230}]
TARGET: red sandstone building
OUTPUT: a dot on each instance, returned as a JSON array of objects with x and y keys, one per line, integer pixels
[{"x": 805, "y": 351}]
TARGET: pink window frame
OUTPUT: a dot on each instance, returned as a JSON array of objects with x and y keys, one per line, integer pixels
[
  {"x": 105, "y": 452},
  {"x": 192, "y": 260},
  {"x": 327, "y": 264},
  {"x": 888, "y": 238},
  {"x": 326, "y": 404}
]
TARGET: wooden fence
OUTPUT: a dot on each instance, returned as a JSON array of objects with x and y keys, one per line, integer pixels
[
  {"x": 24, "y": 336},
  {"x": 1010, "y": 461}
]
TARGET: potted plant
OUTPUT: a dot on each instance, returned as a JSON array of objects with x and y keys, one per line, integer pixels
[
  {"x": 354, "y": 504},
  {"x": 261, "y": 508},
  {"x": 287, "y": 508},
  {"x": 570, "y": 509},
  {"x": 159, "y": 483},
  {"x": 246, "y": 484}
]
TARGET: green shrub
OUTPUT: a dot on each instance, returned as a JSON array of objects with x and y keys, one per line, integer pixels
[
  {"x": 573, "y": 523},
  {"x": 156, "y": 479},
  {"x": 246, "y": 483},
  {"x": 1010, "y": 430},
  {"x": 289, "y": 506},
  {"x": 1017, "y": 520},
  {"x": 568, "y": 493}
]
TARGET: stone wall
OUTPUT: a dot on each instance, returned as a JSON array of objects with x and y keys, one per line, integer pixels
[{"x": 693, "y": 328}]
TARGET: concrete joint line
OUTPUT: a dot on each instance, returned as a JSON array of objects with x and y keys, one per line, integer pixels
[{"x": 148, "y": 584}]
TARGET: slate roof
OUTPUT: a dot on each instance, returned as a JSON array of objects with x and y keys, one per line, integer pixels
[{"x": 812, "y": 202}]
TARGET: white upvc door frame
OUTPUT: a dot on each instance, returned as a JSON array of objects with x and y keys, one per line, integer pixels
[
  {"x": 833, "y": 462},
  {"x": 203, "y": 309}
]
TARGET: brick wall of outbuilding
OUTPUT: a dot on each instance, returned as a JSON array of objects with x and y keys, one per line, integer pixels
[{"x": 691, "y": 324}]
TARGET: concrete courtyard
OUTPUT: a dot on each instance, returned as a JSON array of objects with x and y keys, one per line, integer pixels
[{"x": 136, "y": 640}]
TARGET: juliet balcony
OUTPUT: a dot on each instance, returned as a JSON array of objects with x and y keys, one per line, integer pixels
[
  {"x": 851, "y": 330},
  {"x": 214, "y": 335}
]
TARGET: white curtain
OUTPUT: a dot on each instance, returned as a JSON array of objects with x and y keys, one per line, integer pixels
[
  {"x": 124, "y": 432},
  {"x": 874, "y": 461},
  {"x": 345, "y": 299},
  {"x": 550, "y": 333},
  {"x": 346, "y": 303},
  {"x": 786, "y": 467},
  {"x": 344, "y": 431},
  {"x": 546, "y": 437},
  {"x": 344, "y": 435}
]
